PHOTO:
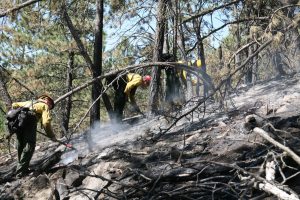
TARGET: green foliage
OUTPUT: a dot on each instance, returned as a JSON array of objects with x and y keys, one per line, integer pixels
[{"x": 2, "y": 122}]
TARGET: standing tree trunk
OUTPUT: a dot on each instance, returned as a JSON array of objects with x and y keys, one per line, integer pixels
[
  {"x": 67, "y": 104},
  {"x": 278, "y": 64},
  {"x": 238, "y": 38},
  {"x": 157, "y": 56},
  {"x": 203, "y": 63},
  {"x": 172, "y": 78},
  {"x": 97, "y": 66},
  {"x": 249, "y": 69}
]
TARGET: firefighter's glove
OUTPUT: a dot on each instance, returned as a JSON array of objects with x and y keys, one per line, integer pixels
[{"x": 69, "y": 145}]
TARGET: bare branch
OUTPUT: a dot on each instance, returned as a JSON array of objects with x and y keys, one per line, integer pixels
[
  {"x": 209, "y": 10},
  {"x": 266, "y": 136},
  {"x": 18, "y": 7}
]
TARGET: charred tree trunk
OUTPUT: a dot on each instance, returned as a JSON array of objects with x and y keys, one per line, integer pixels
[
  {"x": 175, "y": 29},
  {"x": 220, "y": 55},
  {"x": 172, "y": 79},
  {"x": 255, "y": 66},
  {"x": 187, "y": 84},
  {"x": 97, "y": 66},
  {"x": 249, "y": 69},
  {"x": 67, "y": 104},
  {"x": 278, "y": 64},
  {"x": 203, "y": 64},
  {"x": 238, "y": 38},
  {"x": 95, "y": 113},
  {"x": 157, "y": 56}
]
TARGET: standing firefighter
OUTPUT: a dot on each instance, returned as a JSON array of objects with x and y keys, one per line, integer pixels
[
  {"x": 125, "y": 88},
  {"x": 28, "y": 115}
]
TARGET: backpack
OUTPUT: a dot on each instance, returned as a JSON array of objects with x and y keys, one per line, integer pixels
[{"x": 18, "y": 118}]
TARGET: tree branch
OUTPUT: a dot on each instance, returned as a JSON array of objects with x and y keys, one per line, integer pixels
[
  {"x": 18, "y": 7},
  {"x": 76, "y": 37},
  {"x": 266, "y": 136},
  {"x": 209, "y": 10}
]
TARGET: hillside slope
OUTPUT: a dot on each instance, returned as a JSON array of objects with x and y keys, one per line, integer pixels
[{"x": 210, "y": 154}]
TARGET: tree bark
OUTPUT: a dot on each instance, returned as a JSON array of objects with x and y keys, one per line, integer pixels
[
  {"x": 157, "y": 56},
  {"x": 97, "y": 66},
  {"x": 249, "y": 69},
  {"x": 67, "y": 104},
  {"x": 86, "y": 57},
  {"x": 18, "y": 7},
  {"x": 278, "y": 64}
]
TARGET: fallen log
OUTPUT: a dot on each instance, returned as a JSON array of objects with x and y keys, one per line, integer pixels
[
  {"x": 270, "y": 188},
  {"x": 266, "y": 136}
]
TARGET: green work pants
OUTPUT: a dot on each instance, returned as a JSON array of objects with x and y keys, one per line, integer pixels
[
  {"x": 26, "y": 140},
  {"x": 120, "y": 98}
]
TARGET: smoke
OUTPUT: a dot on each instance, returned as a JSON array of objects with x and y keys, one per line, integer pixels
[
  {"x": 69, "y": 157},
  {"x": 102, "y": 136}
]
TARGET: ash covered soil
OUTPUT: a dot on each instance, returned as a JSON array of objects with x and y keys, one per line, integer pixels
[{"x": 211, "y": 153}]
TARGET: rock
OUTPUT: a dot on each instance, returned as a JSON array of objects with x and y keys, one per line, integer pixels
[
  {"x": 285, "y": 108},
  {"x": 252, "y": 121},
  {"x": 41, "y": 182},
  {"x": 115, "y": 172},
  {"x": 73, "y": 179},
  {"x": 39, "y": 188},
  {"x": 45, "y": 194},
  {"x": 95, "y": 183},
  {"x": 59, "y": 173},
  {"x": 291, "y": 97},
  {"x": 174, "y": 153},
  {"x": 61, "y": 188}
]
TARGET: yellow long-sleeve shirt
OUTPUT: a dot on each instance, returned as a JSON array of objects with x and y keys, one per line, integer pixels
[
  {"x": 197, "y": 63},
  {"x": 42, "y": 113},
  {"x": 133, "y": 81}
]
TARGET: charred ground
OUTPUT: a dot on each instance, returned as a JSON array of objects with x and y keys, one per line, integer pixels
[{"x": 209, "y": 154}]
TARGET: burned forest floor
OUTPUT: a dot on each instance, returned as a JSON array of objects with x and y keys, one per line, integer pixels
[{"x": 246, "y": 150}]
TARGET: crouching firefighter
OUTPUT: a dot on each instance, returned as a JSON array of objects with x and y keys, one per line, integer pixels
[
  {"x": 125, "y": 88},
  {"x": 22, "y": 120}
]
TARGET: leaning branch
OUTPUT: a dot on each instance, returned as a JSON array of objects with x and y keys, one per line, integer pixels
[
  {"x": 194, "y": 70},
  {"x": 226, "y": 24},
  {"x": 266, "y": 136},
  {"x": 76, "y": 37},
  {"x": 209, "y": 10},
  {"x": 18, "y": 7}
]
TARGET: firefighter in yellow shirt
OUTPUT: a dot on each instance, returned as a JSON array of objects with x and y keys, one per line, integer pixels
[
  {"x": 196, "y": 63},
  {"x": 125, "y": 88},
  {"x": 26, "y": 138}
]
